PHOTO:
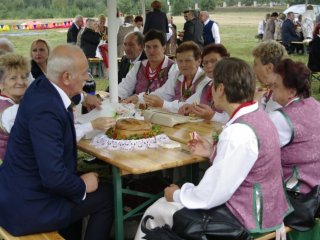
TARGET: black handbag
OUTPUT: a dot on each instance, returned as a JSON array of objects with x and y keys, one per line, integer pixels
[
  {"x": 306, "y": 209},
  {"x": 217, "y": 223},
  {"x": 158, "y": 233}
]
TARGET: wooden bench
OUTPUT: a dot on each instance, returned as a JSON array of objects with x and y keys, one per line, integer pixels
[
  {"x": 98, "y": 63},
  {"x": 271, "y": 235},
  {"x": 40, "y": 236}
]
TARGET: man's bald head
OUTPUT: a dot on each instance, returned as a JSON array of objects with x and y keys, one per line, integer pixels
[
  {"x": 204, "y": 16},
  {"x": 67, "y": 67}
]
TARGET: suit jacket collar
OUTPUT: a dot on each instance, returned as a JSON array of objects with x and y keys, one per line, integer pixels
[{"x": 46, "y": 83}]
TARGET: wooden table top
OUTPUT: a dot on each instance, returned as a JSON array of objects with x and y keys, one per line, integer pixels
[
  {"x": 181, "y": 132},
  {"x": 142, "y": 161}
]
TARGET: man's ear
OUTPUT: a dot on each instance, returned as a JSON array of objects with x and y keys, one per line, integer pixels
[{"x": 66, "y": 78}]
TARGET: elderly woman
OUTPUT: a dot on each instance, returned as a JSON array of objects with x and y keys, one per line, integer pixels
[
  {"x": 211, "y": 54},
  {"x": 298, "y": 126},
  {"x": 150, "y": 74},
  {"x": 186, "y": 86},
  {"x": 14, "y": 70},
  {"x": 39, "y": 54},
  {"x": 267, "y": 56},
  {"x": 244, "y": 183}
]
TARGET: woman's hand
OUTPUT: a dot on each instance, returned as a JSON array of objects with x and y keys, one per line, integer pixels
[
  {"x": 168, "y": 192},
  {"x": 200, "y": 146},
  {"x": 203, "y": 110},
  {"x": 132, "y": 99},
  {"x": 185, "y": 109},
  {"x": 153, "y": 100}
]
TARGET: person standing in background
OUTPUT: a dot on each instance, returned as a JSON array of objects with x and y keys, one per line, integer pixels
[
  {"x": 193, "y": 29},
  {"x": 156, "y": 19},
  {"x": 262, "y": 26},
  {"x": 270, "y": 27},
  {"x": 90, "y": 38},
  {"x": 74, "y": 29},
  {"x": 211, "y": 29}
]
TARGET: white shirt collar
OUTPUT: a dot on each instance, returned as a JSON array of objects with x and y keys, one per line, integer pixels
[
  {"x": 293, "y": 100},
  {"x": 136, "y": 60},
  {"x": 7, "y": 99},
  {"x": 243, "y": 111},
  {"x": 198, "y": 74},
  {"x": 206, "y": 22},
  {"x": 65, "y": 99}
]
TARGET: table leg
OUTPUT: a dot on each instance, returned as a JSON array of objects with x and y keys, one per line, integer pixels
[
  {"x": 117, "y": 188},
  {"x": 195, "y": 173}
]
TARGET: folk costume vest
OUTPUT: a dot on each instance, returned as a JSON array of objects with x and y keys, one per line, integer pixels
[
  {"x": 145, "y": 84},
  {"x": 4, "y": 136},
  {"x": 183, "y": 91},
  {"x": 260, "y": 203},
  {"x": 301, "y": 156}
]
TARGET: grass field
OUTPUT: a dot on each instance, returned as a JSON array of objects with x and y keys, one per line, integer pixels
[{"x": 237, "y": 26}]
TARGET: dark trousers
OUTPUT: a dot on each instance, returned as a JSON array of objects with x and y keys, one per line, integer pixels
[{"x": 99, "y": 206}]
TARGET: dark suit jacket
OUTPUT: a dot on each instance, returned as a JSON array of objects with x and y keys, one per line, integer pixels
[
  {"x": 38, "y": 180},
  {"x": 288, "y": 33},
  {"x": 193, "y": 30},
  {"x": 156, "y": 20},
  {"x": 314, "y": 55},
  {"x": 72, "y": 34},
  {"x": 89, "y": 42},
  {"x": 36, "y": 70},
  {"x": 124, "y": 66}
]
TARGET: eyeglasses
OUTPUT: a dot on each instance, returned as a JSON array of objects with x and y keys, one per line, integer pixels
[{"x": 206, "y": 63}]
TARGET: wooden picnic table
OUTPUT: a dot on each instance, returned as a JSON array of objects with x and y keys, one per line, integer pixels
[{"x": 145, "y": 161}]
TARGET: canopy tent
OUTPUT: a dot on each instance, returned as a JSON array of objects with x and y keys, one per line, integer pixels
[{"x": 112, "y": 46}]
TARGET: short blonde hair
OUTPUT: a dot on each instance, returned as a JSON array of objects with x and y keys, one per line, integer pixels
[
  {"x": 13, "y": 63},
  {"x": 270, "y": 52},
  {"x": 101, "y": 18}
]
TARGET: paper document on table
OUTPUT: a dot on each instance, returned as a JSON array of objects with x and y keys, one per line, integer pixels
[
  {"x": 107, "y": 110},
  {"x": 165, "y": 118},
  {"x": 116, "y": 110}
]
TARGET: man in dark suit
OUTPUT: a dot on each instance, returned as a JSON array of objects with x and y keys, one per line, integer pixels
[
  {"x": 288, "y": 33},
  {"x": 39, "y": 185},
  {"x": 156, "y": 19},
  {"x": 193, "y": 29},
  {"x": 133, "y": 47},
  {"x": 74, "y": 29}
]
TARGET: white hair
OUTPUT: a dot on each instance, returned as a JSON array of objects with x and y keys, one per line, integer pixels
[
  {"x": 6, "y": 45},
  {"x": 59, "y": 63}
]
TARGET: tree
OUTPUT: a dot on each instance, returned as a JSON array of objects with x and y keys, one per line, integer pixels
[
  {"x": 207, "y": 5},
  {"x": 178, "y": 6}
]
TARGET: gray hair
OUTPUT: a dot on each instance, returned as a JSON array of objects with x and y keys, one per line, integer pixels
[
  {"x": 6, "y": 45},
  {"x": 59, "y": 63},
  {"x": 90, "y": 22},
  {"x": 139, "y": 37}
]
